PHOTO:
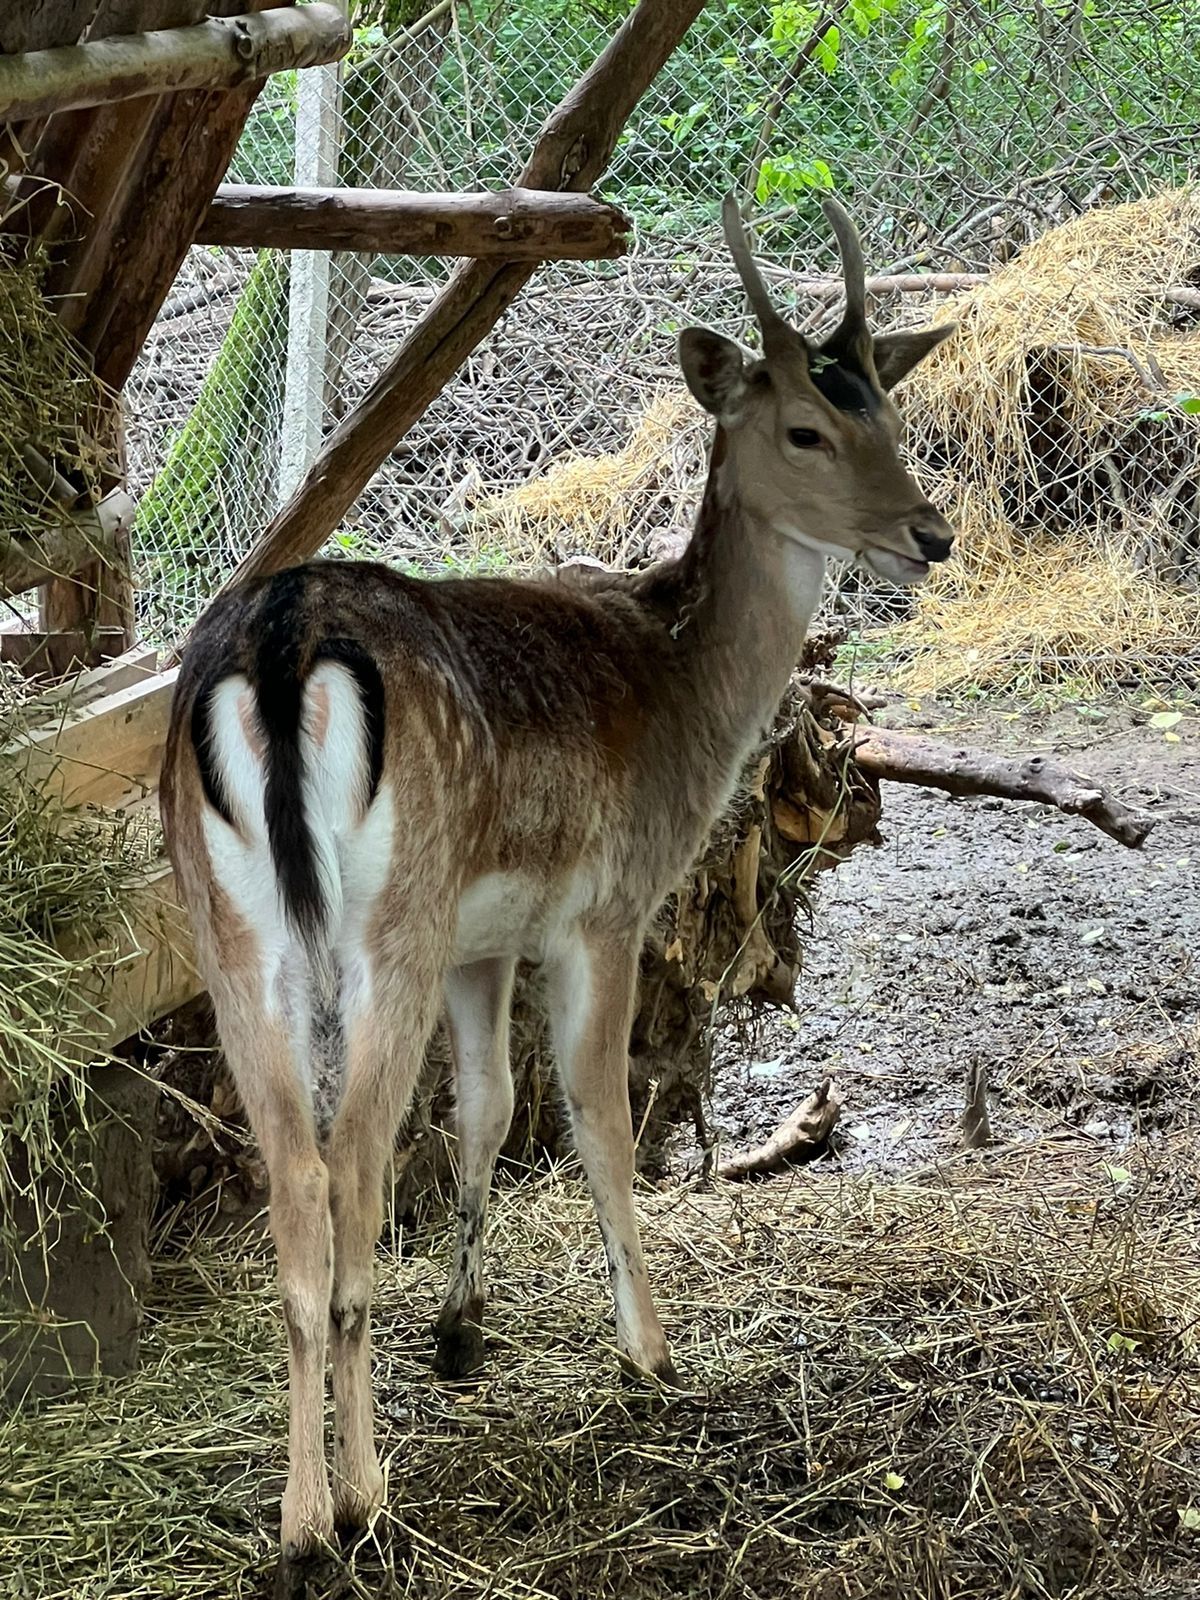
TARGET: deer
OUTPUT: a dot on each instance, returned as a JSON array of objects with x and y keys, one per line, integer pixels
[{"x": 381, "y": 792}]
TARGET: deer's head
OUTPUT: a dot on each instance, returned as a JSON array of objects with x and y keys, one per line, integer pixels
[{"x": 811, "y": 430}]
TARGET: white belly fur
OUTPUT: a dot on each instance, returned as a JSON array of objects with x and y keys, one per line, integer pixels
[{"x": 507, "y": 914}]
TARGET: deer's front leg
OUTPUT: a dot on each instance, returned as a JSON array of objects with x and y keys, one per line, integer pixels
[
  {"x": 591, "y": 989},
  {"x": 478, "y": 1001}
]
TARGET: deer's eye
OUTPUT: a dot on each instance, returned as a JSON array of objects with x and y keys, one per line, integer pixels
[{"x": 805, "y": 438}]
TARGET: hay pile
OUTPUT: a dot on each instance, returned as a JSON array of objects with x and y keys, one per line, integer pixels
[
  {"x": 1052, "y": 424},
  {"x": 604, "y": 505},
  {"x": 60, "y": 872},
  {"x": 976, "y": 1385},
  {"x": 49, "y": 399}
]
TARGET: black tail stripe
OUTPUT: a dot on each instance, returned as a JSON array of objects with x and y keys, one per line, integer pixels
[
  {"x": 279, "y": 681},
  {"x": 214, "y": 790}
]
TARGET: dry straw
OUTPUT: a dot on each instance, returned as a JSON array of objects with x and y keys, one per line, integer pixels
[
  {"x": 602, "y": 505},
  {"x": 49, "y": 399},
  {"x": 60, "y": 872},
  {"x": 1052, "y": 421},
  {"x": 979, "y": 1384}
]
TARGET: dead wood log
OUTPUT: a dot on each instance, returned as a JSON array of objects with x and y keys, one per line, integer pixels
[
  {"x": 572, "y": 151},
  {"x": 800, "y": 1137},
  {"x": 964, "y": 770},
  {"x": 221, "y": 53},
  {"x": 509, "y": 225}
]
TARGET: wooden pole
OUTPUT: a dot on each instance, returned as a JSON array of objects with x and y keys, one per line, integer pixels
[
  {"x": 318, "y": 143},
  {"x": 572, "y": 151},
  {"x": 221, "y": 53},
  {"x": 512, "y": 225}
]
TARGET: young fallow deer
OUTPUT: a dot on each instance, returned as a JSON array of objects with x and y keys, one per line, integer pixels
[{"x": 381, "y": 793}]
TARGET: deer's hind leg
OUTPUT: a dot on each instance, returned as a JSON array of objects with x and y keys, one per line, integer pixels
[
  {"x": 262, "y": 1056},
  {"x": 478, "y": 1002},
  {"x": 386, "y": 1031}
]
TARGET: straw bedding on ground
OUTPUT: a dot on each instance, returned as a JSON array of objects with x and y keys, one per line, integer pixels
[{"x": 979, "y": 1383}]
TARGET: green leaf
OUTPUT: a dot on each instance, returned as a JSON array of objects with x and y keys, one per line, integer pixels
[
  {"x": 1166, "y": 719},
  {"x": 1121, "y": 1344},
  {"x": 893, "y": 1480},
  {"x": 826, "y": 53},
  {"x": 1189, "y": 1518},
  {"x": 1118, "y": 1175}
]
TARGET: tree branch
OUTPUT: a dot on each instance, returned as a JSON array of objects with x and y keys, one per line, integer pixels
[
  {"x": 963, "y": 770},
  {"x": 218, "y": 54},
  {"x": 510, "y": 225},
  {"x": 799, "y": 1138}
]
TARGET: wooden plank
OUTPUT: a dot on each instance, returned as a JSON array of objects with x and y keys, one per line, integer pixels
[
  {"x": 222, "y": 53},
  {"x": 508, "y": 225},
  {"x": 136, "y": 666},
  {"x": 50, "y": 655},
  {"x": 154, "y": 971},
  {"x": 105, "y": 753}
]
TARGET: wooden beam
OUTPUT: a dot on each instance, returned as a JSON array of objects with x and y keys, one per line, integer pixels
[
  {"x": 221, "y": 53},
  {"x": 144, "y": 970},
  {"x": 106, "y": 753},
  {"x": 511, "y": 225},
  {"x": 82, "y": 538},
  {"x": 51, "y": 655},
  {"x": 571, "y": 153}
]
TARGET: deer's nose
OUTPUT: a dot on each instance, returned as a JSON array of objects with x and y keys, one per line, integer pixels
[{"x": 932, "y": 535}]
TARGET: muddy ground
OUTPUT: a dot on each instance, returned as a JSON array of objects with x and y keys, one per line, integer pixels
[{"x": 1064, "y": 962}]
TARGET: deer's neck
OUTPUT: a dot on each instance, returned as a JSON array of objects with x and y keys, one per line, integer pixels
[{"x": 747, "y": 595}]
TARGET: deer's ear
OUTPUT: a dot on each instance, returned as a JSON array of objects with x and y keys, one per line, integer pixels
[
  {"x": 896, "y": 354},
  {"x": 712, "y": 366}
]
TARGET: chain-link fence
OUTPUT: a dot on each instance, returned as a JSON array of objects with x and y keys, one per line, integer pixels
[{"x": 956, "y": 131}]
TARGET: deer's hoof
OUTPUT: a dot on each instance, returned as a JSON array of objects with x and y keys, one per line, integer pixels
[{"x": 459, "y": 1352}]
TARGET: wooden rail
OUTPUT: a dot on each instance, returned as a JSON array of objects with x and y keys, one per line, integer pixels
[
  {"x": 221, "y": 53},
  {"x": 101, "y": 743},
  {"x": 508, "y": 225}
]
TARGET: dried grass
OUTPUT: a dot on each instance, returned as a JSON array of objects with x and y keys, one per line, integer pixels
[
  {"x": 1080, "y": 553},
  {"x": 49, "y": 399},
  {"x": 602, "y": 505},
  {"x": 978, "y": 1384}
]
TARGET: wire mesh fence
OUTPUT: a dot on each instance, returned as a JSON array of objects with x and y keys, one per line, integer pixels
[{"x": 956, "y": 131}]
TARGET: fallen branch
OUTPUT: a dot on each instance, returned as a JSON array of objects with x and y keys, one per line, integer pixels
[
  {"x": 826, "y": 288},
  {"x": 963, "y": 770},
  {"x": 798, "y": 1139}
]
